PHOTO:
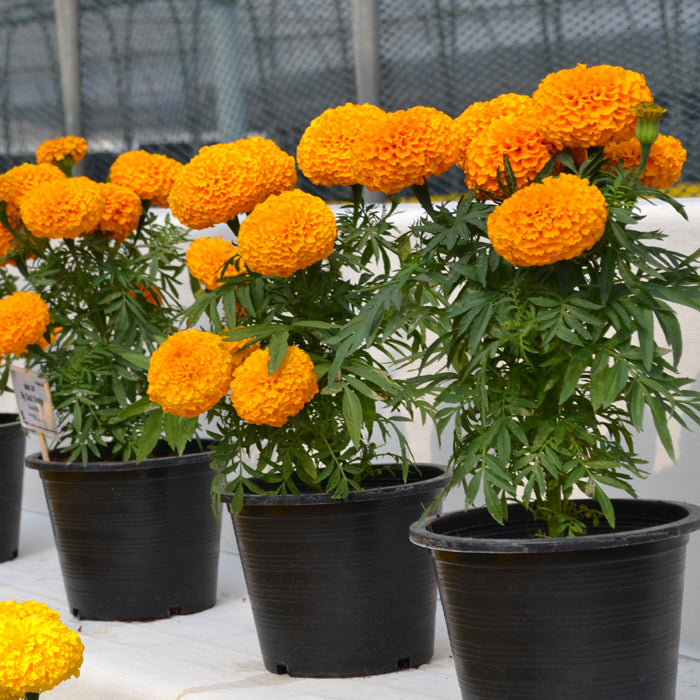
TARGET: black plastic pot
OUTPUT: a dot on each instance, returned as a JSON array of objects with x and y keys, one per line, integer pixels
[
  {"x": 135, "y": 541},
  {"x": 336, "y": 588},
  {"x": 11, "y": 477},
  {"x": 586, "y": 617}
]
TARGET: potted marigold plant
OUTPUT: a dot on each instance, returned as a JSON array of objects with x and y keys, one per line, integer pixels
[
  {"x": 308, "y": 446},
  {"x": 550, "y": 322},
  {"x": 97, "y": 277}
]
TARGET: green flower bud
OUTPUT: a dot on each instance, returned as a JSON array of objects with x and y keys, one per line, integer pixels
[{"x": 648, "y": 118}]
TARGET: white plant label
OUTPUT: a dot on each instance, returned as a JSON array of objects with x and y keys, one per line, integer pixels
[{"x": 33, "y": 401}]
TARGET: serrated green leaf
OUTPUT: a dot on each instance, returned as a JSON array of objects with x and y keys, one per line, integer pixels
[
  {"x": 277, "y": 349},
  {"x": 661, "y": 424},
  {"x": 352, "y": 414},
  {"x": 152, "y": 431}
]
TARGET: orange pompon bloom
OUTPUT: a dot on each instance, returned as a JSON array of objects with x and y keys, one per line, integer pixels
[
  {"x": 219, "y": 183},
  {"x": 240, "y": 350},
  {"x": 150, "y": 175},
  {"x": 7, "y": 242},
  {"x": 150, "y": 294},
  {"x": 261, "y": 398},
  {"x": 517, "y": 137},
  {"x": 403, "y": 148},
  {"x": 665, "y": 164},
  {"x": 279, "y": 167},
  {"x": 122, "y": 212},
  {"x": 584, "y": 107},
  {"x": 37, "y": 651},
  {"x": 189, "y": 373},
  {"x": 55, "y": 150},
  {"x": 286, "y": 233},
  {"x": 557, "y": 219},
  {"x": 24, "y": 318},
  {"x": 17, "y": 181},
  {"x": 324, "y": 153},
  {"x": 480, "y": 114},
  {"x": 63, "y": 208},
  {"x": 205, "y": 259}
]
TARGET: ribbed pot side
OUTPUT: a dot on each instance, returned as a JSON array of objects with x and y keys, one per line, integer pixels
[
  {"x": 12, "y": 445},
  {"x": 135, "y": 541},
  {"x": 336, "y": 587},
  {"x": 577, "y": 618}
]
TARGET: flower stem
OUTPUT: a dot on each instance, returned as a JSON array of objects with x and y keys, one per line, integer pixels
[
  {"x": 32, "y": 696},
  {"x": 423, "y": 196},
  {"x": 357, "y": 199}
]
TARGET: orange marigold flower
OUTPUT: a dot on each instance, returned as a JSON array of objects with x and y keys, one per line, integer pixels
[
  {"x": 55, "y": 150},
  {"x": 24, "y": 318},
  {"x": 543, "y": 223},
  {"x": 403, "y": 148},
  {"x": 324, "y": 153},
  {"x": 517, "y": 137},
  {"x": 666, "y": 159},
  {"x": 7, "y": 242},
  {"x": 122, "y": 212},
  {"x": 17, "y": 181},
  {"x": 37, "y": 651},
  {"x": 189, "y": 373},
  {"x": 150, "y": 294},
  {"x": 219, "y": 183},
  {"x": 286, "y": 233},
  {"x": 279, "y": 167},
  {"x": 150, "y": 175},
  {"x": 480, "y": 114},
  {"x": 583, "y": 107},
  {"x": 270, "y": 399},
  {"x": 63, "y": 208},
  {"x": 205, "y": 259}
]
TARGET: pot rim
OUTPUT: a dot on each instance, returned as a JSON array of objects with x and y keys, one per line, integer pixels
[
  {"x": 448, "y": 532},
  {"x": 437, "y": 480},
  {"x": 8, "y": 419},
  {"x": 35, "y": 461}
]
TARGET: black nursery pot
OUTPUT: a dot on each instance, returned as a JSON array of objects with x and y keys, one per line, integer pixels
[
  {"x": 135, "y": 541},
  {"x": 586, "y": 617},
  {"x": 12, "y": 443},
  {"x": 336, "y": 588}
]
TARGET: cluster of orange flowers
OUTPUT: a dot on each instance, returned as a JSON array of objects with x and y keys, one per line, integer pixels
[
  {"x": 47, "y": 203},
  {"x": 228, "y": 179},
  {"x": 286, "y": 230},
  {"x": 382, "y": 151},
  {"x": 193, "y": 370},
  {"x": 50, "y": 204}
]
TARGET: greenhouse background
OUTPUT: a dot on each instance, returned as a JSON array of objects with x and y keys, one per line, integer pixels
[{"x": 169, "y": 76}]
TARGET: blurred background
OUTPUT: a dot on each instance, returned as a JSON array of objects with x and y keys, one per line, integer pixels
[{"x": 169, "y": 76}]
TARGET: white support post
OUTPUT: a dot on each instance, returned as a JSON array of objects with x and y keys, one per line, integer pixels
[
  {"x": 365, "y": 42},
  {"x": 68, "y": 32}
]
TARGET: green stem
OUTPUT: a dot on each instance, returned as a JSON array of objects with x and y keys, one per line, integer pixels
[
  {"x": 235, "y": 225},
  {"x": 422, "y": 193},
  {"x": 555, "y": 505},
  {"x": 32, "y": 696},
  {"x": 357, "y": 199},
  {"x": 644, "y": 157}
]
